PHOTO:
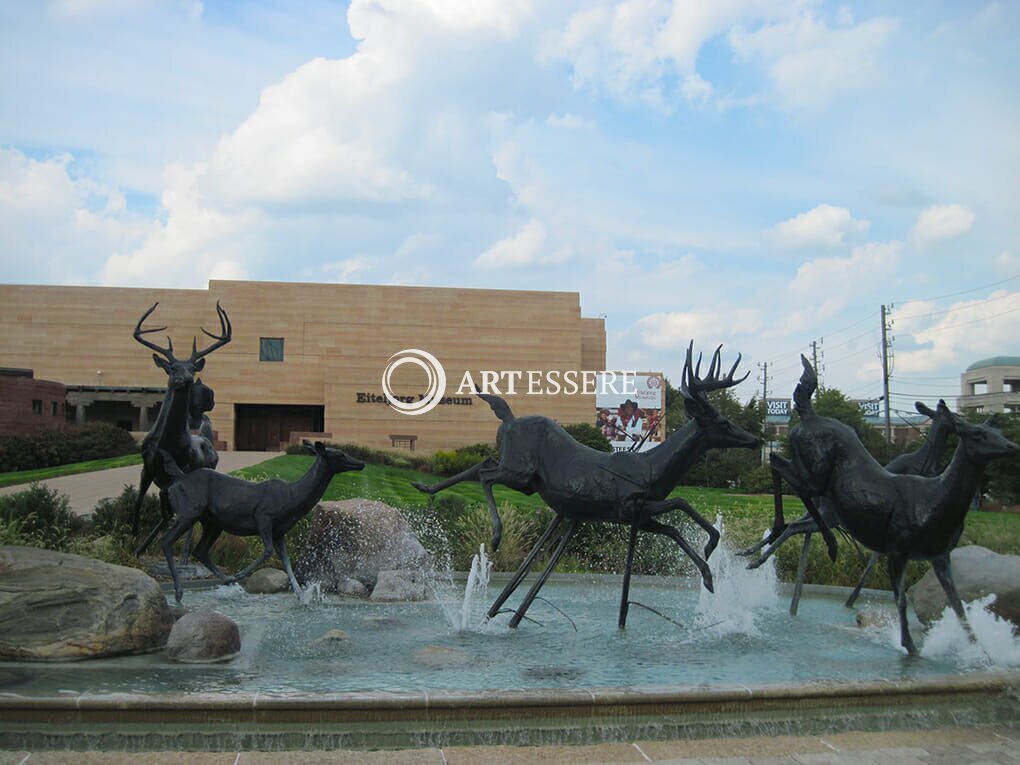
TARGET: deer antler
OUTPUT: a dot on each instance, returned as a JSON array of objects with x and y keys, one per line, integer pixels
[
  {"x": 168, "y": 351},
  {"x": 221, "y": 339},
  {"x": 693, "y": 386}
]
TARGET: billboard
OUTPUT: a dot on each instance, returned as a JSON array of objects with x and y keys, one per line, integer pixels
[
  {"x": 778, "y": 408},
  {"x": 632, "y": 415},
  {"x": 870, "y": 407}
]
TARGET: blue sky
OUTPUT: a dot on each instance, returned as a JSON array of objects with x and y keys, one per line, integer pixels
[{"x": 760, "y": 174}]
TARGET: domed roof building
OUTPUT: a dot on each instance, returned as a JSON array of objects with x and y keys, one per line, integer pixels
[{"x": 991, "y": 385}]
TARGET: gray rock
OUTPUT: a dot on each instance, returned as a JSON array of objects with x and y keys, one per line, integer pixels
[
  {"x": 352, "y": 588},
  {"x": 203, "y": 637},
  {"x": 266, "y": 581},
  {"x": 874, "y": 618},
  {"x": 60, "y": 607},
  {"x": 334, "y": 636},
  {"x": 402, "y": 585},
  {"x": 357, "y": 538},
  {"x": 977, "y": 572}
]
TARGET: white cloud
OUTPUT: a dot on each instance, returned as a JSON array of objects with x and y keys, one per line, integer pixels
[
  {"x": 824, "y": 286},
  {"x": 953, "y": 338},
  {"x": 522, "y": 249},
  {"x": 56, "y": 227},
  {"x": 809, "y": 62},
  {"x": 939, "y": 223},
  {"x": 670, "y": 330},
  {"x": 824, "y": 226}
]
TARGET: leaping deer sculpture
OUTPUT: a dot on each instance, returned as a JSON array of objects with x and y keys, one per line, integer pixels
[
  {"x": 903, "y": 517},
  {"x": 583, "y": 485},
  {"x": 171, "y": 432},
  {"x": 924, "y": 461}
]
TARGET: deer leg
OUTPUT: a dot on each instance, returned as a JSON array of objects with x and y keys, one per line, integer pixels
[
  {"x": 167, "y": 543},
  {"x": 864, "y": 577},
  {"x": 210, "y": 533},
  {"x": 798, "y": 584},
  {"x": 944, "y": 573},
  {"x": 678, "y": 503},
  {"x": 143, "y": 489},
  {"x": 471, "y": 474},
  {"x": 489, "y": 476},
  {"x": 785, "y": 469},
  {"x": 625, "y": 594},
  {"x": 665, "y": 529},
  {"x": 797, "y": 527},
  {"x": 281, "y": 550},
  {"x": 897, "y": 575},
  {"x": 167, "y": 513},
  {"x": 522, "y": 570},
  {"x": 522, "y": 609},
  {"x": 266, "y": 532},
  {"x": 186, "y": 549}
]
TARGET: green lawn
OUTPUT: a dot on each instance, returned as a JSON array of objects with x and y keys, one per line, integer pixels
[{"x": 43, "y": 474}]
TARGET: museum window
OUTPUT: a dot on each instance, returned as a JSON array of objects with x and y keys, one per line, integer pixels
[
  {"x": 53, "y": 408},
  {"x": 36, "y": 406},
  {"x": 403, "y": 442},
  {"x": 270, "y": 349}
]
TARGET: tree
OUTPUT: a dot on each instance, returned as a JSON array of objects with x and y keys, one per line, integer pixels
[{"x": 587, "y": 434}]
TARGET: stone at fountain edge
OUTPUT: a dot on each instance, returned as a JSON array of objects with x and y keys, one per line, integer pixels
[
  {"x": 977, "y": 572},
  {"x": 60, "y": 607}
]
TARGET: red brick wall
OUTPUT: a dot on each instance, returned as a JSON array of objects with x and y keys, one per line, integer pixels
[{"x": 16, "y": 411}]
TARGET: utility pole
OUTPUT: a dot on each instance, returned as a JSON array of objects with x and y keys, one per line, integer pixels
[
  {"x": 765, "y": 410},
  {"x": 885, "y": 372},
  {"x": 814, "y": 363}
]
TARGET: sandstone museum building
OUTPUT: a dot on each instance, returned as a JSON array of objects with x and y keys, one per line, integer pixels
[{"x": 304, "y": 358}]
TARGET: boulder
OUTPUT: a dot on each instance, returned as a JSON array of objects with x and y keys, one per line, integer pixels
[
  {"x": 334, "y": 636},
  {"x": 357, "y": 538},
  {"x": 977, "y": 572},
  {"x": 266, "y": 581},
  {"x": 352, "y": 588},
  {"x": 60, "y": 607},
  {"x": 203, "y": 637},
  {"x": 401, "y": 585}
]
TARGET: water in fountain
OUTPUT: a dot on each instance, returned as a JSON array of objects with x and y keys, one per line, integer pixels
[
  {"x": 476, "y": 585},
  {"x": 741, "y": 596}
]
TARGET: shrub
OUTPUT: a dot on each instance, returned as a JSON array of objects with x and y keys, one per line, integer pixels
[
  {"x": 587, "y": 434},
  {"x": 114, "y": 514},
  {"x": 50, "y": 448},
  {"x": 42, "y": 515}
]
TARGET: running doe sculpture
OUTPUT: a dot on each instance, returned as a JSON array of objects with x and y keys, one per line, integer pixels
[
  {"x": 583, "y": 485},
  {"x": 267, "y": 510},
  {"x": 171, "y": 432},
  {"x": 924, "y": 461},
  {"x": 903, "y": 517}
]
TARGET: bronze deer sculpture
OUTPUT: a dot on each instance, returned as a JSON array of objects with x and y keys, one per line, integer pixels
[
  {"x": 267, "y": 510},
  {"x": 903, "y": 517},
  {"x": 923, "y": 461},
  {"x": 171, "y": 432},
  {"x": 583, "y": 485}
]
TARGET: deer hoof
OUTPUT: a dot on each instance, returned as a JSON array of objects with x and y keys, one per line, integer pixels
[
  {"x": 706, "y": 578},
  {"x": 422, "y": 487}
]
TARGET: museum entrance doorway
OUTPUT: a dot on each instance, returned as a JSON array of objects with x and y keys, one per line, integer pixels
[{"x": 267, "y": 427}]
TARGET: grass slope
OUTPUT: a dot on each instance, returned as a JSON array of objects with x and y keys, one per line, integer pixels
[{"x": 44, "y": 474}]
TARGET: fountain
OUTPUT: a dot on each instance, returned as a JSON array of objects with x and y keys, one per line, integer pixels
[{"x": 707, "y": 656}]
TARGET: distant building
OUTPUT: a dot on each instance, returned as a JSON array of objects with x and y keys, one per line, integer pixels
[
  {"x": 991, "y": 385},
  {"x": 28, "y": 405}
]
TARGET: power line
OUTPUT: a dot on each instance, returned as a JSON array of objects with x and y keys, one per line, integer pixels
[
  {"x": 957, "y": 309},
  {"x": 963, "y": 292}
]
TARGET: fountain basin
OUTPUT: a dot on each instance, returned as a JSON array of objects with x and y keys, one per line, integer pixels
[{"x": 757, "y": 671}]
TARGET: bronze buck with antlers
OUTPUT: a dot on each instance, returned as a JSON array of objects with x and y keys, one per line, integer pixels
[
  {"x": 171, "y": 433},
  {"x": 582, "y": 485}
]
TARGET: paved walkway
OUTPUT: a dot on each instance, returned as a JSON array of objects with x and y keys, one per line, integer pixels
[
  {"x": 944, "y": 746},
  {"x": 86, "y": 489}
]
